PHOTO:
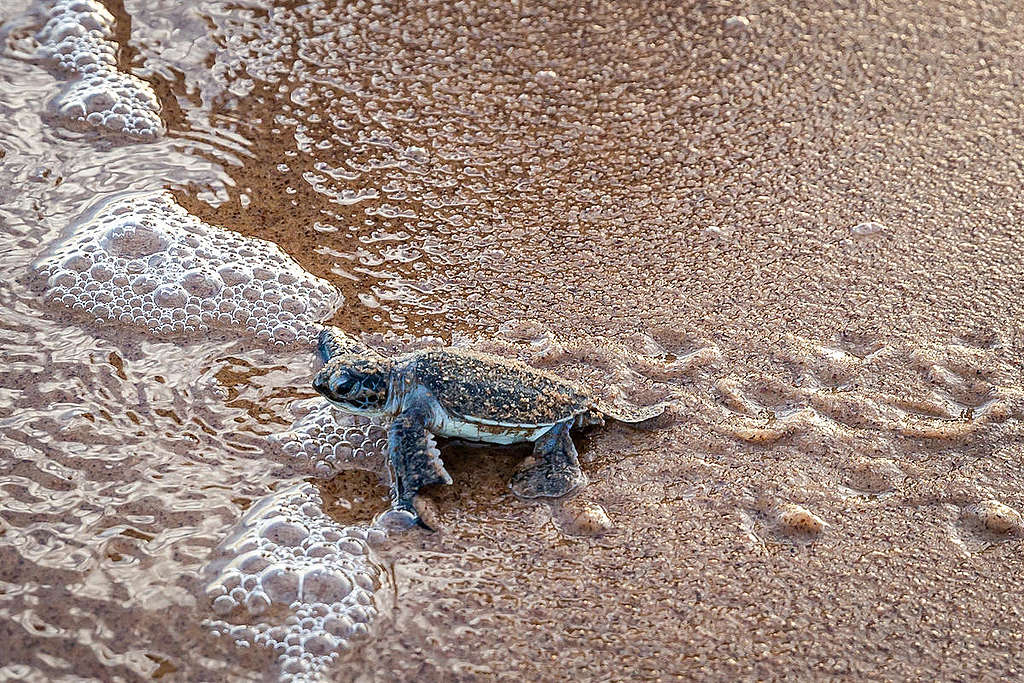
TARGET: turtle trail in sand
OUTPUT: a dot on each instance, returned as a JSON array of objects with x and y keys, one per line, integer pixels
[{"x": 463, "y": 394}]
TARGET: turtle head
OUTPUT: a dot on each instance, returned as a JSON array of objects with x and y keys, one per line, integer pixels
[{"x": 355, "y": 383}]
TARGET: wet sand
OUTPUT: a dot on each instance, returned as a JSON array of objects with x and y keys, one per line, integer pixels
[{"x": 801, "y": 225}]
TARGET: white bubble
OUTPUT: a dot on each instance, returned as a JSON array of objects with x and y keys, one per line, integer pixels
[
  {"x": 62, "y": 280},
  {"x": 867, "y": 229},
  {"x": 280, "y": 584},
  {"x": 319, "y": 645},
  {"x": 257, "y": 603},
  {"x": 285, "y": 333},
  {"x": 322, "y": 585},
  {"x": 101, "y": 272},
  {"x": 77, "y": 262},
  {"x": 284, "y": 533},
  {"x": 200, "y": 284},
  {"x": 233, "y": 275},
  {"x": 339, "y": 625},
  {"x": 351, "y": 546},
  {"x": 171, "y": 297},
  {"x": 224, "y": 605},
  {"x": 293, "y": 305}
]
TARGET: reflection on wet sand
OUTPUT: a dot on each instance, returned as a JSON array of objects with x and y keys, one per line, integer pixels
[{"x": 799, "y": 223}]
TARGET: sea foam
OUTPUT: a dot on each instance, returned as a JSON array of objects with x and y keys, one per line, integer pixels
[
  {"x": 142, "y": 260},
  {"x": 78, "y": 38},
  {"x": 293, "y": 580},
  {"x": 324, "y": 441}
]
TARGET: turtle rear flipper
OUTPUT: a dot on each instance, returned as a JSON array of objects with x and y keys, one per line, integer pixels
[
  {"x": 555, "y": 471},
  {"x": 632, "y": 414},
  {"x": 333, "y": 342}
]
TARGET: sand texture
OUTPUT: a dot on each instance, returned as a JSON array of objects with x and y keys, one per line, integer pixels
[{"x": 797, "y": 222}]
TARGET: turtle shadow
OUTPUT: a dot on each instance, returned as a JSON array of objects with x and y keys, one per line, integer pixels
[
  {"x": 479, "y": 489},
  {"x": 480, "y": 480},
  {"x": 479, "y": 492}
]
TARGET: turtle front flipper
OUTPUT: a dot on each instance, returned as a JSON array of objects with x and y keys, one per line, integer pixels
[
  {"x": 414, "y": 462},
  {"x": 558, "y": 471},
  {"x": 333, "y": 342}
]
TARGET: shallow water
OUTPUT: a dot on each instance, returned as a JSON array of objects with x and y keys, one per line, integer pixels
[{"x": 801, "y": 227}]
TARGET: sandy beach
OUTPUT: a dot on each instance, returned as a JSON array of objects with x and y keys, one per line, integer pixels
[{"x": 799, "y": 224}]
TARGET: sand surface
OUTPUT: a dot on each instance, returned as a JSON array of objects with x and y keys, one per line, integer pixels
[{"x": 800, "y": 223}]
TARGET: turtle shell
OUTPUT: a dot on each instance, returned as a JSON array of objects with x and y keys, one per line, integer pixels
[{"x": 486, "y": 389}]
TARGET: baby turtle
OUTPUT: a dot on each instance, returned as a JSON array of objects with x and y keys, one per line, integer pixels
[{"x": 467, "y": 395}]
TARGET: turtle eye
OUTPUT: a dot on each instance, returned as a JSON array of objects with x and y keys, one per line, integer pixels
[{"x": 341, "y": 386}]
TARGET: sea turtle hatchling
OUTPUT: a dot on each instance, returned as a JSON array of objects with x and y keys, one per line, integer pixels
[{"x": 463, "y": 394}]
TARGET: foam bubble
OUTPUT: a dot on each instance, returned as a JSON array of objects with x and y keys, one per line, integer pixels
[
  {"x": 325, "y": 441},
  {"x": 78, "y": 38},
  {"x": 143, "y": 260},
  {"x": 288, "y": 558},
  {"x": 867, "y": 229}
]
